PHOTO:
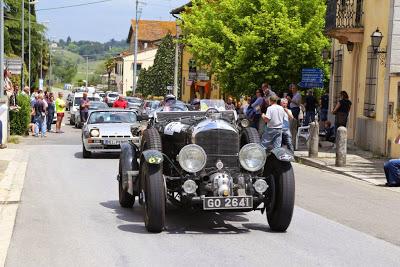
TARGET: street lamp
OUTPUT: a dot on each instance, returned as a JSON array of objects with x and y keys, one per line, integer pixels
[
  {"x": 29, "y": 27},
  {"x": 41, "y": 51},
  {"x": 325, "y": 54},
  {"x": 350, "y": 46},
  {"x": 376, "y": 39}
]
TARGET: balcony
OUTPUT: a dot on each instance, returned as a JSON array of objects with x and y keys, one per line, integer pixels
[{"x": 344, "y": 20}]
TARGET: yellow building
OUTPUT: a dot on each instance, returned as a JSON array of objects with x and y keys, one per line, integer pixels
[
  {"x": 195, "y": 81},
  {"x": 365, "y": 60}
]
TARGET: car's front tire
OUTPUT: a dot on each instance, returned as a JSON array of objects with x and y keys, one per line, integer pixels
[
  {"x": 86, "y": 154},
  {"x": 280, "y": 214},
  {"x": 154, "y": 198}
]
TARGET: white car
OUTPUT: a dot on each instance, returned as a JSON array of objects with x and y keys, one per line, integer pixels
[
  {"x": 111, "y": 97},
  {"x": 107, "y": 129},
  {"x": 76, "y": 100}
]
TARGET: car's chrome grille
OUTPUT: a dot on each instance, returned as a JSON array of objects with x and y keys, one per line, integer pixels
[{"x": 220, "y": 145}]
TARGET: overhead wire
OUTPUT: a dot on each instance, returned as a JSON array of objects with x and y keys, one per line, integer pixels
[{"x": 76, "y": 5}]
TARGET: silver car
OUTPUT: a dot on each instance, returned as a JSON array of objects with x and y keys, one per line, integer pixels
[{"x": 107, "y": 129}]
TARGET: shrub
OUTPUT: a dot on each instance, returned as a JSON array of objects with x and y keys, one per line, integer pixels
[{"x": 20, "y": 119}]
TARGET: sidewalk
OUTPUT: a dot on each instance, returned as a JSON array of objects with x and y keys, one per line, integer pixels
[
  {"x": 13, "y": 164},
  {"x": 362, "y": 165}
]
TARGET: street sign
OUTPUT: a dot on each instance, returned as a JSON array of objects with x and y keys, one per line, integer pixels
[
  {"x": 40, "y": 84},
  {"x": 13, "y": 65},
  {"x": 312, "y": 78}
]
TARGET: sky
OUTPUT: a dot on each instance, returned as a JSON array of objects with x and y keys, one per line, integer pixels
[{"x": 101, "y": 21}]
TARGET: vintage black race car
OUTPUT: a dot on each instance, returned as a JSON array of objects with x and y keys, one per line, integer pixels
[{"x": 205, "y": 160}]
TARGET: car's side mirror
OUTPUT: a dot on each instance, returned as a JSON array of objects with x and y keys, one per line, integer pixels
[{"x": 143, "y": 117}]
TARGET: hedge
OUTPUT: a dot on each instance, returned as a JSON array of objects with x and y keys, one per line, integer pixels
[{"x": 20, "y": 118}]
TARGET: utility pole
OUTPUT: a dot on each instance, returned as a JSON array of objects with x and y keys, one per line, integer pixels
[
  {"x": 50, "y": 68},
  {"x": 135, "y": 48},
  {"x": 1, "y": 48},
  {"x": 176, "y": 72},
  {"x": 87, "y": 71},
  {"x": 22, "y": 44}
]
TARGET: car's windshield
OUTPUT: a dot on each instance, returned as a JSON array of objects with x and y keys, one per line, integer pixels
[
  {"x": 152, "y": 105},
  {"x": 136, "y": 101},
  {"x": 113, "y": 95},
  {"x": 97, "y": 105},
  {"x": 77, "y": 101},
  {"x": 174, "y": 105},
  {"x": 112, "y": 117},
  {"x": 218, "y": 104}
]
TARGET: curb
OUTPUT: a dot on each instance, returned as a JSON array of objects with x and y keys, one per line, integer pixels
[
  {"x": 323, "y": 166},
  {"x": 10, "y": 195}
]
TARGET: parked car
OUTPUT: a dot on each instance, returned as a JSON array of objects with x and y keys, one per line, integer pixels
[
  {"x": 74, "y": 110},
  {"x": 149, "y": 106},
  {"x": 94, "y": 105},
  {"x": 205, "y": 160},
  {"x": 107, "y": 129},
  {"x": 111, "y": 97},
  {"x": 134, "y": 102}
]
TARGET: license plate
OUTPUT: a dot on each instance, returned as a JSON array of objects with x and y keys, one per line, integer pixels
[
  {"x": 218, "y": 203},
  {"x": 111, "y": 142}
]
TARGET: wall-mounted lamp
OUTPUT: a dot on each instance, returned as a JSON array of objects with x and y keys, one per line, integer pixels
[
  {"x": 325, "y": 54},
  {"x": 376, "y": 39},
  {"x": 350, "y": 46}
]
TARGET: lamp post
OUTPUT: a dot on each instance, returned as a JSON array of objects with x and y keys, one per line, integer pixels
[
  {"x": 41, "y": 51},
  {"x": 29, "y": 42},
  {"x": 22, "y": 43}
]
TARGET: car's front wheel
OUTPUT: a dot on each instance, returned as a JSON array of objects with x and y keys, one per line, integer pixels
[
  {"x": 154, "y": 198},
  {"x": 282, "y": 192},
  {"x": 86, "y": 154}
]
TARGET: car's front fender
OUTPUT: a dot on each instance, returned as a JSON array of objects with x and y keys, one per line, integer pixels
[
  {"x": 283, "y": 154},
  {"x": 153, "y": 157}
]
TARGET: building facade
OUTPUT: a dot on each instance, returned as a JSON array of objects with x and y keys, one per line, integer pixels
[
  {"x": 195, "y": 81},
  {"x": 145, "y": 59},
  {"x": 365, "y": 59}
]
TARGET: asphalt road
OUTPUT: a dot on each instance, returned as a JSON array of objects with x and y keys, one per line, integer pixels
[{"x": 70, "y": 216}]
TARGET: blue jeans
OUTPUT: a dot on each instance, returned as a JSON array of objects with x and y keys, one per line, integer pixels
[
  {"x": 40, "y": 124},
  {"x": 50, "y": 118},
  {"x": 392, "y": 171},
  {"x": 287, "y": 139},
  {"x": 271, "y": 138},
  {"x": 323, "y": 115}
]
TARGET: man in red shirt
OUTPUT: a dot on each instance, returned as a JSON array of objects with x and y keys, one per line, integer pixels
[{"x": 120, "y": 102}]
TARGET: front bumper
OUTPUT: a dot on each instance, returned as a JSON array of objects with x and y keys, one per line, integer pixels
[{"x": 111, "y": 145}]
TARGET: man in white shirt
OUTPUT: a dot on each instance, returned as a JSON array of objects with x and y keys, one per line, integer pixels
[{"x": 272, "y": 136}]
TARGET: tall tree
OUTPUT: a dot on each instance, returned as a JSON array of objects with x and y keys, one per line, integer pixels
[
  {"x": 109, "y": 65},
  {"x": 155, "y": 80},
  {"x": 245, "y": 42}
]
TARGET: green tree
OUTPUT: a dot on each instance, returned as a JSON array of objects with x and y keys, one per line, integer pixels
[
  {"x": 109, "y": 65},
  {"x": 155, "y": 80},
  {"x": 12, "y": 37},
  {"x": 245, "y": 42}
]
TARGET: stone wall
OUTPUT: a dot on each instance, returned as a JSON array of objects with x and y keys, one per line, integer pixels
[{"x": 369, "y": 135}]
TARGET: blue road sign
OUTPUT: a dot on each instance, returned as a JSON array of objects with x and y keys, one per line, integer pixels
[{"x": 312, "y": 78}]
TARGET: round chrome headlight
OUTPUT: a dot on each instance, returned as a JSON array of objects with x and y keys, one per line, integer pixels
[
  {"x": 192, "y": 158},
  {"x": 94, "y": 133},
  {"x": 252, "y": 157},
  {"x": 245, "y": 123}
]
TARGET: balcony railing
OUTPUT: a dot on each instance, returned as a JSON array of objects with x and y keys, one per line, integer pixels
[{"x": 344, "y": 14}]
